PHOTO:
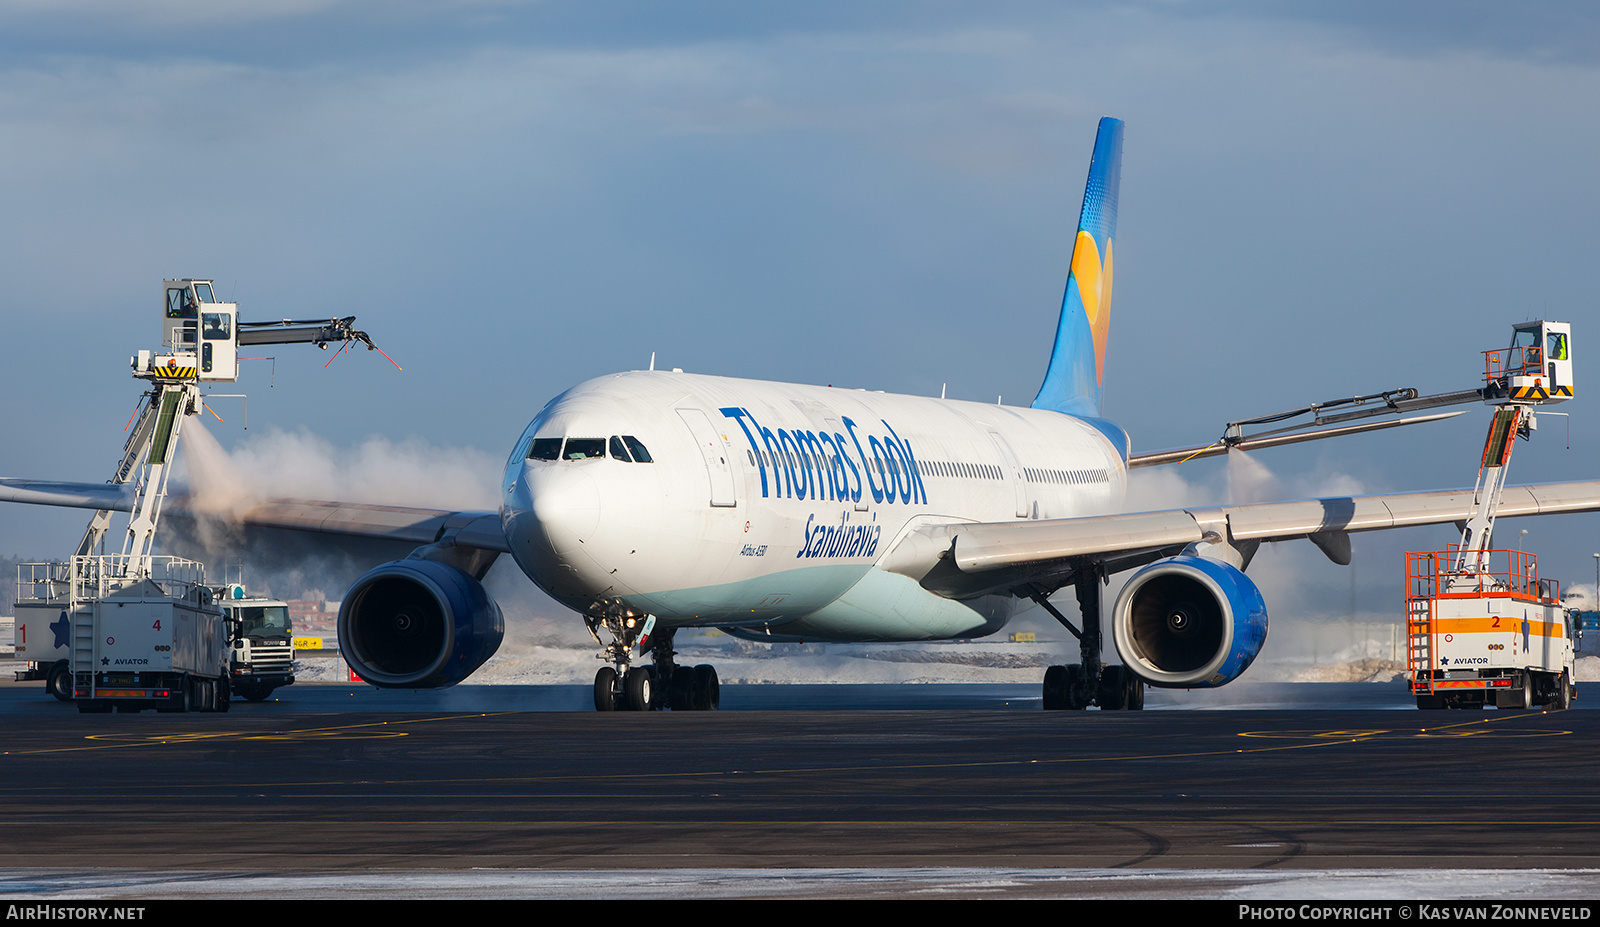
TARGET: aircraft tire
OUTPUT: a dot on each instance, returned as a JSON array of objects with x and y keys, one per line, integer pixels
[
  {"x": 1074, "y": 685},
  {"x": 1055, "y": 687},
  {"x": 640, "y": 688},
  {"x": 605, "y": 689},
  {"x": 680, "y": 694},
  {"x": 1113, "y": 692},
  {"x": 707, "y": 690},
  {"x": 1135, "y": 690}
]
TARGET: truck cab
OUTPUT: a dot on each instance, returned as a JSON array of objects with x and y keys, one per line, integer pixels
[{"x": 263, "y": 643}]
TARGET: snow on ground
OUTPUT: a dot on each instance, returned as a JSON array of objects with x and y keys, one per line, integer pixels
[{"x": 739, "y": 662}]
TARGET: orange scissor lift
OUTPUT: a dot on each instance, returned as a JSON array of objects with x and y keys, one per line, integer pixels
[{"x": 1481, "y": 627}]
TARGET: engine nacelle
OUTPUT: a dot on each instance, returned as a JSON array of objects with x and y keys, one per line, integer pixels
[
  {"x": 418, "y": 624},
  {"x": 1189, "y": 623}
]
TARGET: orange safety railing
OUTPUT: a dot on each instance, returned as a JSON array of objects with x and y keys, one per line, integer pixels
[
  {"x": 1431, "y": 576},
  {"x": 1509, "y": 573},
  {"x": 1524, "y": 361}
]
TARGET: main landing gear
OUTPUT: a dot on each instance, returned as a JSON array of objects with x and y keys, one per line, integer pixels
[
  {"x": 1076, "y": 686},
  {"x": 622, "y": 686}
]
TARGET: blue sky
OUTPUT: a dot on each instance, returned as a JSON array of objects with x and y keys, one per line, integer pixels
[{"x": 1318, "y": 200}]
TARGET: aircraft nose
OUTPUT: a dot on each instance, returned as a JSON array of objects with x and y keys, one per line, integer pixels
[
  {"x": 549, "y": 513},
  {"x": 564, "y": 503}
]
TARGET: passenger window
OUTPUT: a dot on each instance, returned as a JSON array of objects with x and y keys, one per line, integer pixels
[
  {"x": 618, "y": 451},
  {"x": 640, "y": 455},
  {"x": 584, "y": 448},
  {"x": 545, "y": 449}
]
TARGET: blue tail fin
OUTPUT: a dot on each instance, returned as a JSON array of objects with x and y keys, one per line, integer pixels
[{"x": 1072, "y": 384}]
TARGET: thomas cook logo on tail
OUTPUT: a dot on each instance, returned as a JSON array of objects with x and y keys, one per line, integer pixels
[{"x": 1094, "y": 290}]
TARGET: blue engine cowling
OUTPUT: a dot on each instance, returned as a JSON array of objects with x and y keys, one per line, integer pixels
[
  {"x": 1189, "y": 623},
  {"x": 418, "y": 624}
]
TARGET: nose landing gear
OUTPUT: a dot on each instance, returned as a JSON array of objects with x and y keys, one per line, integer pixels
[{"x": 622, "y": 686}]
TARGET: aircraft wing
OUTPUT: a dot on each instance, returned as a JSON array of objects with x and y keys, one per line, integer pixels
[
  {"x": 115, "y": 497},
  {"x": 1009, "y": 554},
  {"x": 477, "y": 530}
]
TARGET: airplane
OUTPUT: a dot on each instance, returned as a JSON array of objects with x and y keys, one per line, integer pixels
[{"x": 651, "y": 501}]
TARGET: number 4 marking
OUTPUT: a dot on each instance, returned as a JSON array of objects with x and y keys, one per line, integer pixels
[{"x": 156, "y": 626}]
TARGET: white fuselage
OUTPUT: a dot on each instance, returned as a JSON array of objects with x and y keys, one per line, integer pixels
[{"x": 770, "y": 508}]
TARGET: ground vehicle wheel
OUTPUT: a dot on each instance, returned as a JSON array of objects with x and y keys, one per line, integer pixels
[
  {"x": 1112, "y": 694},
  {"x": 1563, "y": 699},
  {"x": 707, "y": 690},
  {"x": 640, "y": 688},
  {"x": 94, "y": 707},
  {"x": 605, "y": 689},
  {"x": 255, "y": 693},
  {"x": 179, "y": 701},
  {"x": 1430, "y": 702},
  {"x": 1528, "y": 682},
  {"x": 60, "y": 682},
  {"x": 1055, "y": 687},
  {"x": 224, "y": 693}
]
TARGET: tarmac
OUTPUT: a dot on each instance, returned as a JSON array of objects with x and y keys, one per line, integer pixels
[{"x": 800, "y": 791}]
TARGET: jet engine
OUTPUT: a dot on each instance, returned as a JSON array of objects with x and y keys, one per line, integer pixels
[
  {"x": 1187, "y": 622},
  {"x": 418, "y": 624}
]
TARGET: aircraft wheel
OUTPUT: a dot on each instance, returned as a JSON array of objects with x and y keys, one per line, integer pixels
[
  {"x": 1113, "y": 691},
  {"x": 1055, "y": 687},
  {"x": 680, "y": 695},
  {"x": 605, "y": 689},
  {"x": 707, "y": 690},
  {"x": 640, "y": 687},
  {"x": 1135, "y": 690},
  {"x": 60, "y": 682},
  {"x": 1073, "y": 680}
]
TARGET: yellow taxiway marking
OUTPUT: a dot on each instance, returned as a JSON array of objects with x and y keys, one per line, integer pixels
[
  {"x": 119, "y": 740},
  {"x": 1476, "y": 727},
  {"x": 1309, "y": 740}
]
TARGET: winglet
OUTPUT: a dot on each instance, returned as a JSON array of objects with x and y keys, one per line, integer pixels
[{"x": 1072, "y": 382}]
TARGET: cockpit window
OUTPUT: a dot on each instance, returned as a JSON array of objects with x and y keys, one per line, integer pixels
[
  {"x": 618, "y": 451},
  {"x": 545, "y": 449},
  {"x": 640, "y": 455},
  {"x": 584, "y": 448}
]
